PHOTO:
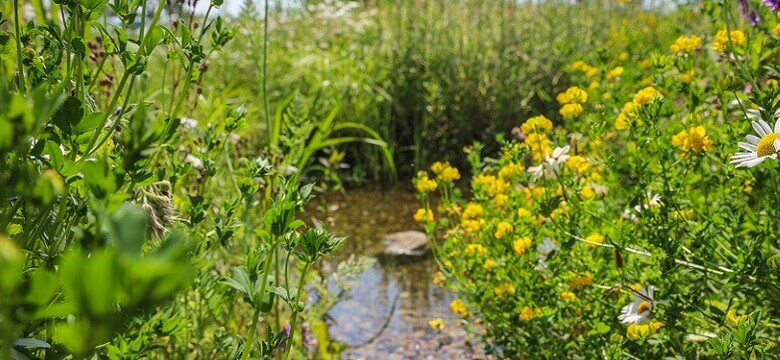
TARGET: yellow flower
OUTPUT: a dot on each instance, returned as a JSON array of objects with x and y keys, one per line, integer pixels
[
  {"x": 733, "y": 319},
  {"x": 615, "y": 73},
  {"x": 438, "y": 167},
  {"x": 686, "y": 44},
  {"x": 572, "y": 95},
  {"x": 693, "y": 140},
  {"x": 502, "y": 229},
  {"x": 439, "y": 278},
  {"x": 500, "y": 200},
  {"x": 587, "y": 192},
  {"x": 571, "y": 110},
  {"x": 511, "y": 170},
  {"x": 424, "y": 184},
  {"x": 580, "y": 282},
  {"x": 423, "y": 215},
  {"x": 457, "y": 306},
  {"x": 540, "y": 146},
  {"x": 646, "y": 96},
  {"x": 528, "y": 313},
  {"x": 593, "y": 240},
  {"x": 524, "y": 213},
  {"x": 436, "y": 324},
  {"x": 623, "y": 56},
  {"x": 503, "y": 289},
  {"x": 568, "y": 296},
  {"x": 776, "y": 30},
  {"x": 577, "y": 164},
  {"x": 536, "y": 124},
  {"x": 643, "y": 331},
  {"x": 477, "y": 249},
  {"x": 688, "y": 76},
  {"x": 449, "y": 174},
  {"x": 521, "y": 245},
  {"x": 722, "y": 39},
  {"x": 472, "y": 210},
  {"x": 472, "y": 226},
  {"x": 489, "y": 264}
]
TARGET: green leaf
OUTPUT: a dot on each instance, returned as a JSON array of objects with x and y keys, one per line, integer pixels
[
  {"x": 43, "y": 285},
  {"x": 26, "y": 342},
  {"x": 69, "y": 114},
  {"x": 129, "y": 228}
]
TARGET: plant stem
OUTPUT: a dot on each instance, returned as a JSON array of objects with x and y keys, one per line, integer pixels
[
  {"x": 261, "y": 294},
  {"x": 18, "y": 33},
  {"x": 265, "y": 72},
  {"x": 294, "y": 320}
]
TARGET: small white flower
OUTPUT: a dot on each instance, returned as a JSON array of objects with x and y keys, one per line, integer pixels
[
  {"x": 639, "y": 310},
  {"x": 195, "y": 161},
  {"x": 551, "y": 165}
]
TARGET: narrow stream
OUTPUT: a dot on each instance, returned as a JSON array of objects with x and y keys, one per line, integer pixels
[{"x": 386, "y": 315}]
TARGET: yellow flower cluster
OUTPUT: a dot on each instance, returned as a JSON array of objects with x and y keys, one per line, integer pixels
[
  {"x": 423, "y": 215},
  {"x": 521, "y": 245},
  {"x": 472, "y": 211},
  {"x": 623, "y": 121},
  {"x": 590, "y": 71},
  {"x": 643, "y": 331},
  {"x": 502, "y": 229},
  {"x": 540, "y": 146},
  {"x": 646, "y": 96},
  {"x": 424, "y": 184},
  {"x": 615, "y": 73},
  {"x": 721, "y": 42},
  {"x": 572, "y": 100},
  {"x": 491, "y": 184},
  {"x": 457, "y": 306},
  {"x": 475, "y": 249},
  {"x": 536, "y": 124},
  {"x": 578, "y": 164},
  {"x": 511, "y": 170},
  {"x": 581, "y": 281},
  {"x": 593, "y": 240},
  {"x": 503, "y": 289},
  {"x": 568, "y": 296},
  {"x": 693, "y": 140},
  {"x": 686, "y": 44},
  {"x": 445, "y": 172},
  {"x": 436, "y": 324},
  {"x": 528, "y": 313}
]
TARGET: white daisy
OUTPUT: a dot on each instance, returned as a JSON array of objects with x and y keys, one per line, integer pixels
[
  {"x": 638, "y": 311},
  {"x": 759, "y": 148}
]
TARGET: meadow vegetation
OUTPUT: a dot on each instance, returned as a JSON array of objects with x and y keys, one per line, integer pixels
[{"x": 580, "y": 167}]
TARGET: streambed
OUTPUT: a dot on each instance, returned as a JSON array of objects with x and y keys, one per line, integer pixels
[{"x": 386, "y": 315}]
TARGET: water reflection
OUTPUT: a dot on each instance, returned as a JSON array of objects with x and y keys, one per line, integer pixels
[{"x": 387, "y": 313}]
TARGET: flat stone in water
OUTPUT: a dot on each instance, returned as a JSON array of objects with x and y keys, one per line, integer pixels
[{"x": 409, "y": 243}]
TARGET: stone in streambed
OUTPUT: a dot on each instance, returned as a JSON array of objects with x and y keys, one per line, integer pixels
[{"x": 408, "y": 243}]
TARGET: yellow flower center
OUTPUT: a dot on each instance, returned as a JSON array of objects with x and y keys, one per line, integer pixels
[
  {"x": 766, "y": 146},
  {"x": 643, "y": 307}
]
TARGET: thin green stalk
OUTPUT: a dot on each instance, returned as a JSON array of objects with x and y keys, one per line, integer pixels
[
  {"x": 265, "y": 72},
  {"x": 115, "y": 98},
  {"x": 261, "y": 294},
  {"x": 18, "y": 36},
  {"x": 294, "y": 320}
]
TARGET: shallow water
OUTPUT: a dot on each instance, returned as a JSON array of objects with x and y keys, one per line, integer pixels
[{"x": 387, "y": 313}]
